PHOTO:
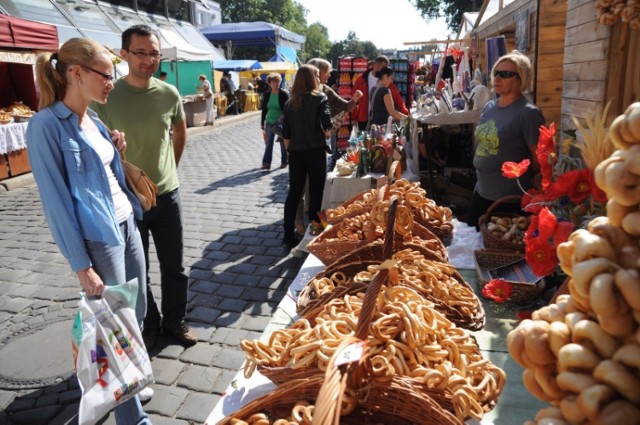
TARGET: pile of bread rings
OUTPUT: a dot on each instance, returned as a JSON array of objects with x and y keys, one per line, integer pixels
[
  {"x": 582, "y": 353},
  {"x": 609, "y": 11}
]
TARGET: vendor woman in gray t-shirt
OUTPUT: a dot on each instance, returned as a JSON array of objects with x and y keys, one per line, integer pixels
[{"x": 507, "y": 131}]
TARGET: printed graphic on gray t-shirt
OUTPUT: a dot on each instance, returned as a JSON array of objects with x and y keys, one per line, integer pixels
[{"x": 504, "y": 134}]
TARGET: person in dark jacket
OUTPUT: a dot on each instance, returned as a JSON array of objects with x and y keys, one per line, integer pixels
[
  {"x": 272, "y": 108},
  {"x": 307, "y": 122}
]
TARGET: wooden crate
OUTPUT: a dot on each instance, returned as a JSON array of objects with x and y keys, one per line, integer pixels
[{"x": 18, "y": 162}]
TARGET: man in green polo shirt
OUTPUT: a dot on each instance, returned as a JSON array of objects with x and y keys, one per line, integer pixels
[{"x": 150, "y": 113}]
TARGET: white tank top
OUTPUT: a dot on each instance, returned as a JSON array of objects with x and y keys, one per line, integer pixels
[{"x": 105, "y": 151}]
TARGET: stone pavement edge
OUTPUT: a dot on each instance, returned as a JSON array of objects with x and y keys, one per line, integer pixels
[{"x": 238, "y": 273}]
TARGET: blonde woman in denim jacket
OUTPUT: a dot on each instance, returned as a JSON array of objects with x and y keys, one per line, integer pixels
[{"x": 89, "y": 210}]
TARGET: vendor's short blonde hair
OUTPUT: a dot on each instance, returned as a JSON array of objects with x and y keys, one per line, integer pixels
[
  {"x": 274, "y": 76},
  {"x": 523, "y": 68}
]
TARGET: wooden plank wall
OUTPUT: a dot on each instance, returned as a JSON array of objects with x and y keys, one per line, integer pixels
[
  {"x": 547, "y": 31},
  {"x": 549, "y": 59},
  {"x": 585, "y": 62}
]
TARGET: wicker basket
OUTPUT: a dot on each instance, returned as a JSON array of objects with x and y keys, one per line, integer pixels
[
  {"x": 491, "y": 241},
  {"x": 488, "y": 259},
  {"x": 562, "y": 290}
]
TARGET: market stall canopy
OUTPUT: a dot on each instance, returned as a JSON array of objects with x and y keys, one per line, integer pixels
[
  {"x": 256, "y": 34},
  {"x": 179, "y": 49},
  {"x": 236, "y": 65},
  {"x": 24, "y": 34},
  {"x": 277, "y": 66},
  {"x": 249, "y": 33}
]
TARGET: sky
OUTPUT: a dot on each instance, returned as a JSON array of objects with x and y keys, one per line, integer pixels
[{"x": 386, "y": 23}]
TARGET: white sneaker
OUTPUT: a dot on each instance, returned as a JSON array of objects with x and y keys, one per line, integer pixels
[{"x": 145, "y": 394}]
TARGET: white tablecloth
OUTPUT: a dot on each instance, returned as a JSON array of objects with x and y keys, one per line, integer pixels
[{"x": 13, "y": 137}]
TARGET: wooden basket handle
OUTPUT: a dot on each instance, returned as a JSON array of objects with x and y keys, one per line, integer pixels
[
  {"x": 395, "y": 172},
  {"x": 499, "y": 201}
]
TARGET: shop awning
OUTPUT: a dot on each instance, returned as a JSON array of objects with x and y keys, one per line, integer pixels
[
  {"x": 24, "y": 34},
  {"x": 236, "y": 65}
]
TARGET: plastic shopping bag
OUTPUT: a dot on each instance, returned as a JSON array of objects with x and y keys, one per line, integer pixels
[{"x": 112, "y": 364}]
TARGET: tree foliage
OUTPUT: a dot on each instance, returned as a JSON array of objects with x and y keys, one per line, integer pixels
[
  {"x": 317, "y": 42},
  {"x": 452, "y": 10}
]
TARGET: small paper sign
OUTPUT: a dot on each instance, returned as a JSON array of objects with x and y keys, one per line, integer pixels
[{"x": 351, "y": 354}]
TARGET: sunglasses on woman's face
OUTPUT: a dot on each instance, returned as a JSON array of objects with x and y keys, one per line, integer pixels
[{"x": 505, "y": 74}]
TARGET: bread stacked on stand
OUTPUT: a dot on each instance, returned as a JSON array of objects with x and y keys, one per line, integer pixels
[
  {"x": 397, "y": 315},
  {"x": 582, "y": 353}
]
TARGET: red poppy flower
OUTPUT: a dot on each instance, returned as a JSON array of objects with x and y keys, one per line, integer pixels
[
  {"x": 582, "y": 184},
  {"x": 513, "y": 170},
  {"x": 546, "y": 224},
  {"x": 545, "y": 153},
  {"x": 532, "y": 230},
  {"x": 497, "y": 290},
  {"x": 524, "y": 315},
  {"x": 532, "y": 201},
  {"x": 541, "y": 256},
  {"x": 563, "y": 230},
  {"x": 598, "y": 194}
]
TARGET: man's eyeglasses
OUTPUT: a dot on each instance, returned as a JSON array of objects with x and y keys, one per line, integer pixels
[
  {"x": 105, "y": 77},
  {"x": 144, "y": 55},
  {"x": 504, "y": 74}
]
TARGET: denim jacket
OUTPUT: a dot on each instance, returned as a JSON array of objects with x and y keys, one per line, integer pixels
[{"x": 73, "y": 184}]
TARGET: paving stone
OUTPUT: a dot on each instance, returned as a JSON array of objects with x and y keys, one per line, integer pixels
[
  {"x": 171, "y": 351},
  {"x": 165, "y": 371},
  {"x": 197, "y": 407},
  {"x": 47, "y": 400},
  {"x": 199, "y": 378},
  {"x": 68, "y": 415},
  {"x": 203, "y": 315},
  {"x": 202, "y": 354},
  {"x": 257, "y": 323},
  {"x": 6, "y": 397},
  {"x": 228, "y": 336},
  {"x": 166, "y": 400},
  {"x": 229, "y": 358},
  {"x": 71, "y": 396},
  {"x": 36, "y": 416},
  {"x": 230, "y": 304},
  {"x": 161, "y": 420},
  {"x": 230, "y": 320}
]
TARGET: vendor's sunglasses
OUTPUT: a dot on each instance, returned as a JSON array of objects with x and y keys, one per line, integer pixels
[
  {"x": 504, "y": 74},
  {"x": 105, "y": 77}
]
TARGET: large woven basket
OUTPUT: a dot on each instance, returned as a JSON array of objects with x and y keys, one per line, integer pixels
[
  {"x": 489, "y": 259},
  {"x": 491, "y": 241}
]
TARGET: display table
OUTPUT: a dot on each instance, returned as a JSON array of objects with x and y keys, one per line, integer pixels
[
  {"x": 455, "y": 118},
  {"x": 195, "y": 110},
  {"x": 13, "y": 150},
  {"x": 515, "y": 405},
  {"x": 338, "y": 189}
]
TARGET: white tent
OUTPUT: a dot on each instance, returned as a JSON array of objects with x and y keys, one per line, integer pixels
[{"x": 179, "y": 49}]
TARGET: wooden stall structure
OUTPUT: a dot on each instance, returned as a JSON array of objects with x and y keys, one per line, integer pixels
[
  {"x": 20, "y": 41},
  {"x": 527, "y": 26},
  {"x": 601, "y": 65}
]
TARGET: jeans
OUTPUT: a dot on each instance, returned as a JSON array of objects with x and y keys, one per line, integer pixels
[
  {"x": 116, "y": 265},
  {"x": 306, "y": 164},
  {"x": 335, "y": 153},
  {"x": 164, "y": 222},
  {"x": 268, "y": 149}
]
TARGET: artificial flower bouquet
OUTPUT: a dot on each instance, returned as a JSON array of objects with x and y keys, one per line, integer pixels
[{"x": 568, "y": 198}]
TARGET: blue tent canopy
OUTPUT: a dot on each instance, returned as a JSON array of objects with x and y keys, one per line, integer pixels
[
  {"x": 236, "y": 65},
  {"x": 250, "y": 34}
]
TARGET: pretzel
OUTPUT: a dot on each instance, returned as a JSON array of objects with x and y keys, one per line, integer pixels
[
  {"x": 575, "y": 356},
  {"x": 570, "y": 410},
  {"x": 592, "y": 399},
  {"x": 619, "y": 378},
  {"x": 575, "y": 382},
  {"x": 590, "y": 334}
]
